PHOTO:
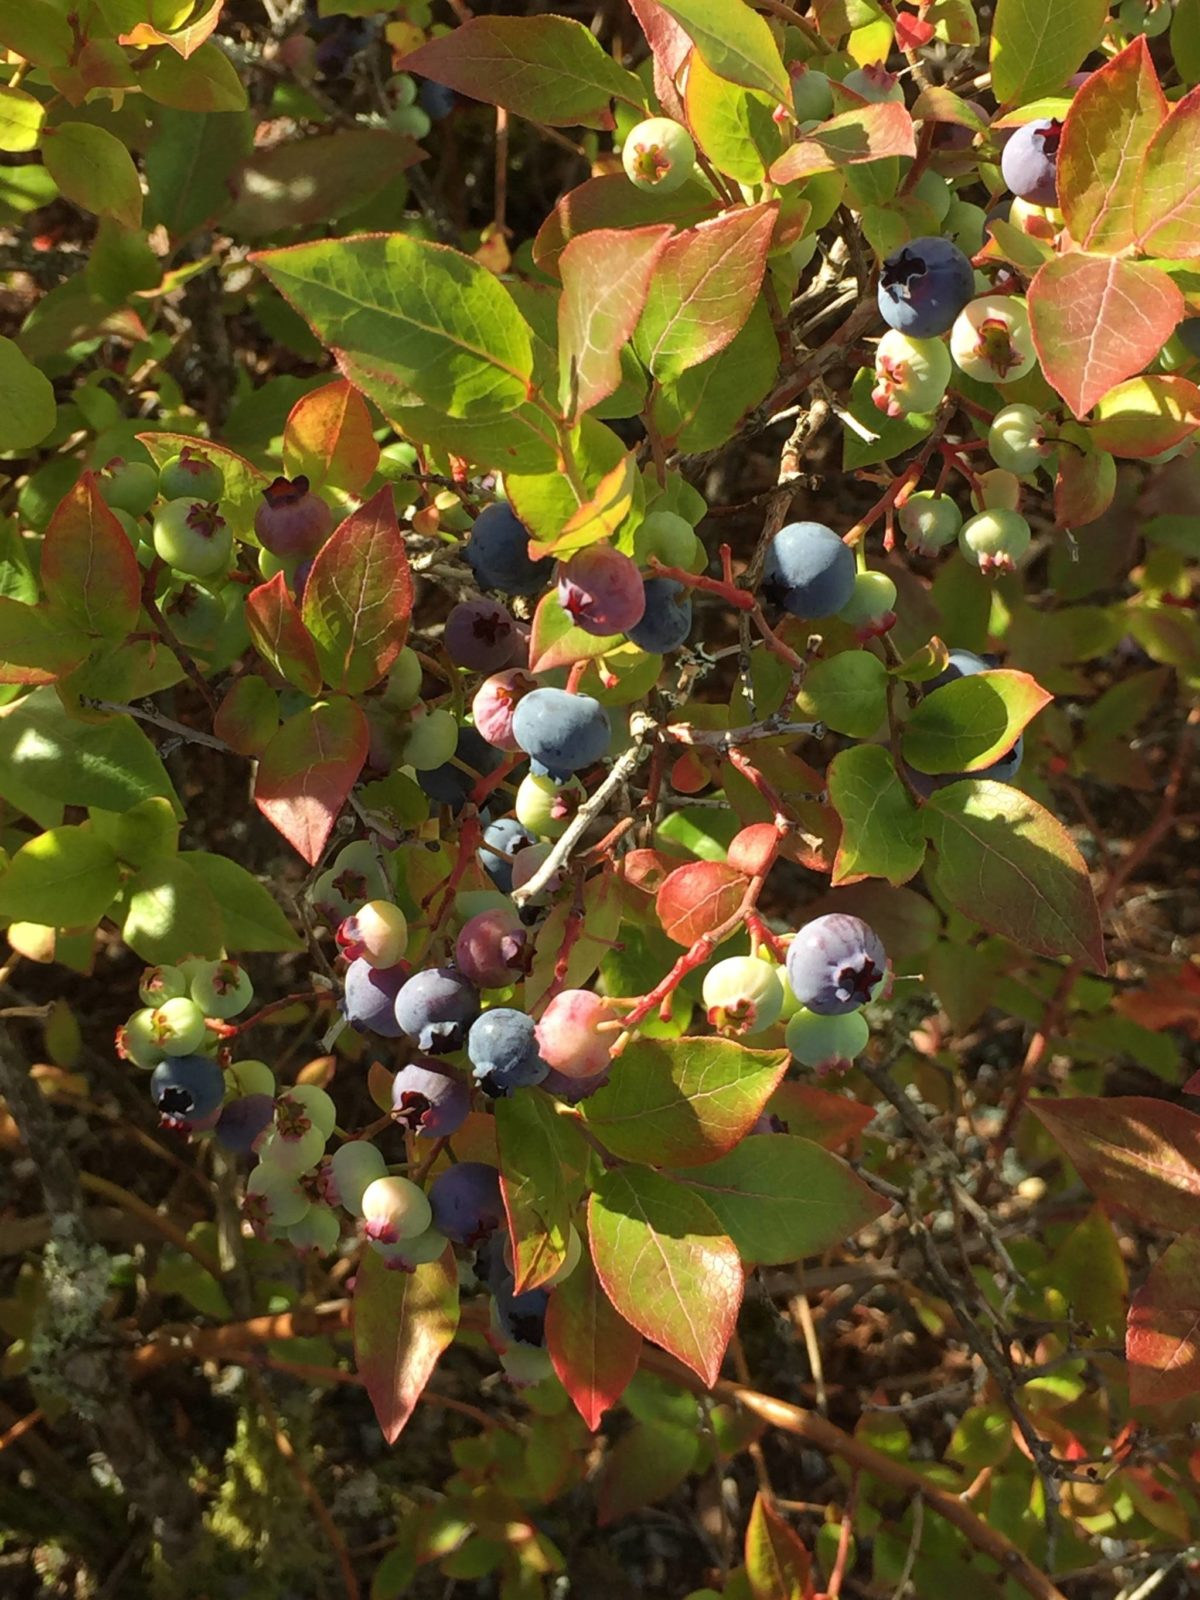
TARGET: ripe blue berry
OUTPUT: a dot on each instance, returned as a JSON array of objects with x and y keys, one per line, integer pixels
[
  {"x": 498, "y": 554},
  {"x": 506, "y": 836},
  {"x": 923, "y": 286},
  {"x": 666, "y": 618},
  {"x": 436, "y": 1007},
  {"x": 503, "y": 1049},
  {"x": 521, "y": 1317},
  {"x": 959, "y": 664},
  {"x": 428, "y": 1100},
  {"x": 369, "y": 999},
  {"x": 243, "y": 1122},
  {"x": 561, "y": 732},
  {"x": 466, "y": 1202},
  {"x": 809, "y": 571},
  {"x": 187, "y": 1089},
  {"x": 1029, "y": 161},
  {"x": 835, "y": 964}
]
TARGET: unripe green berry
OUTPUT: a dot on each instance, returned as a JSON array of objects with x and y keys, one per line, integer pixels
[{"x": 659, "y": 154}]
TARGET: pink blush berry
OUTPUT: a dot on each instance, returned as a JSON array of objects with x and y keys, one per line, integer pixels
[
  {"x": 567, "y": 1033},
  {"x": 495, "y": 701},
  {"x": 602, "y": 591}
]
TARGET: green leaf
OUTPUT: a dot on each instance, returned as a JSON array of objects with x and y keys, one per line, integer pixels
[
  {"x": 358, "y": 597},
  {"x": 38, "y": 32},
  {"x": 89, "y": 569},
  {"x": 703, "y": 289},
  {"x": 1185, "y": 39},
  {"x": 1036, "y": 47},
  {"x": 847, "y": 692},
  {"x": 665, "y": 1264},
  {"x": 438, "y": 318},
  {"x": 644, "y": 1466},
  {"x": 38, "y": 643},
  {"x": 308, "y": 770},
  {"x": 782, "y": 1198},
  {"x": 983, "y": 1438},
  {"x": 735, "y": 43},
  {"x": 171, "y": 912},
  {"x": 542, "y": 1160},
  {"x": 27, "y": 406},
  {"x": 593, "y": 1349},
  {"x": 606, "y": 275},
  {"x": 1006, "y": 863},
  {"x": 94, "y": 170},
  {"x": 556, "y": 641},
  {"x": 206, "y": 81},
  {"x": 1108, "y": 129},
  {"x": 777, "y": 1564},
  {"x": 21, "y": 118},
  {"x": 549, "y": 68},
  {"x": 316, "y": 179},
  {"x": 146, "y": 832},
  {"x": 733, "y": 126},
  {"x": 969, "y": 723},
  {"x": 402, "y": 1323},
  {"x": 679, "y": 1102},
  {"x": 189, "y": 163},
  {"x": 65, "y": 878},
  {"x": 108, "y": 762},
  {"x": 547, "y": 501},
  {"x": 882, "y": 835},
  {"x": 706, "y": 405},
  {"x": 251, "y": 920}
]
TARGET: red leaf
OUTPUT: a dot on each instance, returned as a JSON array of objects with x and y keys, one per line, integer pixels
[
  {"x": 307, "y": 771},
  {"x": 1170, "y": 1002},
  {"x": 358, "y": 597},
  {"x": 1162, "y": 1342},
  {"x": 1098, "y": 320},
  {"x": 1084, "y": 487},
  {"x": 868, "y": 133},
  {"x": 593, "y": 1349},
  {"x": 1137, "y": 1154},
  {"x": 777, "y": 1564},
  {"x": 912, "y": 32},
  {"x": 666, "y": 1266},
  {"x": 280, "y": 637},
  {"x": 328, "y": 438},
  {"x": 1107, "y": 131},
  {"x": 670, "y": 47},
  {"x": 89, "y": 568},
  {"x": 826, "y": 1118},
  {"x": 402, "y": 1322},
  {"x": 698, "y": 897},
  {"x": 1168, "y": 208}
]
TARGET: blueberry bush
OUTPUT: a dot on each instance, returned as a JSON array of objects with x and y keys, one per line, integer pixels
[{"x": 598, "y": 647}]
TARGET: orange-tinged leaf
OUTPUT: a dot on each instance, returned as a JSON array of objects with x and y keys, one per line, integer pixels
[
  {"x": 1168, "y": 210},
  {"x": 1168, "y": 1002},
  {"x": 666, "y": 1266},
  {"x": 1135, "y": 1153},
  {"x": 868, "y": 133},
  {"x": 593, "y": 1349},
  {"x": 600, "y": 515},
  {"x": 605, "y": 275},
  {"x": 698, "y": 897},
  {"x": 970, "y": 722},
  {"x": 827, "y": 1118},
  {"x": 38, "y": 643},
  {"x": 1144, "y": 416},
  {"x": 89, "y": 569},
  {"x": 402, "y": 1323},
  {"x": 1105, "y": 136},
  {"x": 244, "y": 482},
  {"x": 279, "y": 635},
  {"x": 328, "y": 438},
  {"x": 1098, "y": 320},
  {"x": 1162, "y": 1342},
  {"x": 777, "y": 1564},
  {"x": 184, "y": 41},
  {"x": 308, "y": 770},
  {"x": 358, "y": 596}
]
